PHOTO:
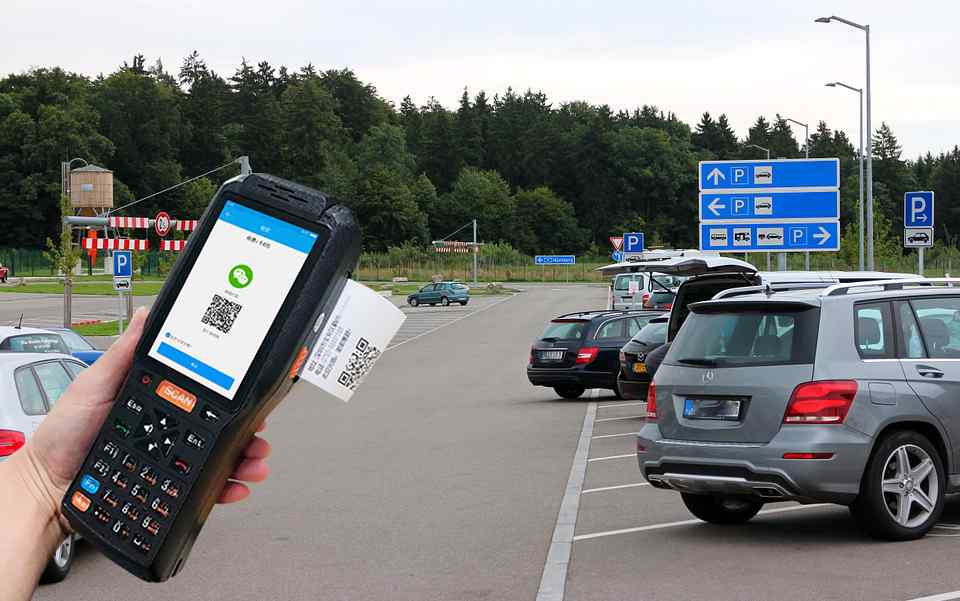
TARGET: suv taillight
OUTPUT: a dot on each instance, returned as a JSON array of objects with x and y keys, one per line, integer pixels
[
  {"x": 823, "y": 402},
  {"x": 646, "y": 298},
  {"x": 10, "y": 442},
  {"x": 652, "y": 401},
  {"x": 587, "y": 354},
  {"x": 532, "y": 354}
]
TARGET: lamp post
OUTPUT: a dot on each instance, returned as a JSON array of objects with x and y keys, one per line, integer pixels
[
  {"x": 806, "y": 155},
  {"x": 757, "y": 146},
  {"x": 869, "y": 167},
  {"x": 766, "y": 150},
  {"x": 859, "y": 91}
]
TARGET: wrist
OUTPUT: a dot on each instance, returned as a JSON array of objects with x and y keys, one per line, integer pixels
[{"x": 41, "y": 496}]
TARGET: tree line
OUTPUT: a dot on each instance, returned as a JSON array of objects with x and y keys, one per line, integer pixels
[{"x": 538, "y": 175}]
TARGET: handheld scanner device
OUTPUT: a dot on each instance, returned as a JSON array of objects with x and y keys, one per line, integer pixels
[{"x": 222, "y": 346}]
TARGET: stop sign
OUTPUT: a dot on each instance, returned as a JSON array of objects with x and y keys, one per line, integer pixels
[{"x": 161, "y": 224}]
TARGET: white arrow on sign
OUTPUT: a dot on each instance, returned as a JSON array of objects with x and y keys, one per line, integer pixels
[
  {"x": 822, "y": 236},
  {"x": 717, "y": 175},
  {"x": 716, "y": 206}
]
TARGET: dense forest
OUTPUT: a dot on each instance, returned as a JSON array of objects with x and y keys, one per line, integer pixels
[{"x": 539, "y": 175}]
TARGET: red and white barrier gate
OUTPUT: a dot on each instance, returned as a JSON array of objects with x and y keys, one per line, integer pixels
[{"x": 116, "y": 244}]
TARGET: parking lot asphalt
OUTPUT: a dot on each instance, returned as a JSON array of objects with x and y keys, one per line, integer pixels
[{"x": 444, "y": 477}]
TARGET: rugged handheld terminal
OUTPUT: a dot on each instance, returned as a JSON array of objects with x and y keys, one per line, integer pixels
[{"x": 220, "y": 349}]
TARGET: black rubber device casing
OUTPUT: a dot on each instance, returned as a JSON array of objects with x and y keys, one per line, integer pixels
[{"x": 269, "y": 378}]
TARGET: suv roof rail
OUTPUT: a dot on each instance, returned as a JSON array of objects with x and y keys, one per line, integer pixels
[
  {"x": 841, "y": 289},
  {"x": 769, "y": 288}
]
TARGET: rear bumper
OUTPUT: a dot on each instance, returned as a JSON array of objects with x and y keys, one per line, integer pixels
[
  {"x": 760, "y": 470},
  {"x": 560, "y": 376}
]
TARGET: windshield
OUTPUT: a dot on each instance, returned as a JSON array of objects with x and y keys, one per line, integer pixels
[
  {"x": 565, "y": 330},
  {"x": 652, "y": 333},
  {"x": 34, "y": 343},
  {"x": 75, "y": 342},
  {"x": 749, "y": 337},
  {"x": 622, "y": 282}
]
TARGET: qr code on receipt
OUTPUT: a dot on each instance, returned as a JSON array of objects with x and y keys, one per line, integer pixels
[{"x": 361, "y": 359}]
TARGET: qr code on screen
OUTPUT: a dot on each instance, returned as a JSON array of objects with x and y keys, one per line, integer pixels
[
  {"x": 221, "y": 313},
  {"x": 361, "y": 359}
]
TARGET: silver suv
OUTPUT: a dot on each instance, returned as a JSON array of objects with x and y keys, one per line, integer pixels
[{"x": 846, "y": 394}]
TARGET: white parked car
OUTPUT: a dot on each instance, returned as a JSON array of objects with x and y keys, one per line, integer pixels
[{"x": 30, "y": 384}]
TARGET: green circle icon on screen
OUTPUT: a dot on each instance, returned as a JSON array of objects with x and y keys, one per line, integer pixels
[{"x": 240, "y": 276}]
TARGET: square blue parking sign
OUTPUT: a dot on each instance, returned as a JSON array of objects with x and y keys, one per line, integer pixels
[
  {"x": 918, "y": 209},
  {"x": 122, "y": 263}
]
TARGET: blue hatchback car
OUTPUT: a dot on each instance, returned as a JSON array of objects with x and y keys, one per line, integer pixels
[{"x": 443, "y": 293}]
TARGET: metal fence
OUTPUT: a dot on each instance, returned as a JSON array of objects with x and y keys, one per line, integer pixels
[{"x": 31, "y": 262}]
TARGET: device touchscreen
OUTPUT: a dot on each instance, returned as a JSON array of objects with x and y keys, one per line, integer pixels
[{"x": 231, "y": 297}]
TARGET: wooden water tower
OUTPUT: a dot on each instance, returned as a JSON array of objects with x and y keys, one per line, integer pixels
[{"x": 91, "y": 190}]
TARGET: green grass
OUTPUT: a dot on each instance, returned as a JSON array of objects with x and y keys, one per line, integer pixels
[
  {"x": 81, "y": 288},
  {"x": 103, "y": 328}
]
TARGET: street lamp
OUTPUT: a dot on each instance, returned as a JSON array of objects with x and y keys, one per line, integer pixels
[
  {"x": 806, "y": 136},
  {"x": 866, "y": 30},
  {"x": 860, "y": 205},
  {"x": 757, "y": 146}
]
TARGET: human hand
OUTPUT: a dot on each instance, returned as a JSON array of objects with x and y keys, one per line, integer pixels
[{"x": 51, "y": 458}]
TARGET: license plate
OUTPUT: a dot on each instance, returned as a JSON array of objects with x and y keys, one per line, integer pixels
[
  {"x": 551, "y": 355},
  {"x": 714, "y": 409},
  {"x": 639, "y": 368}
]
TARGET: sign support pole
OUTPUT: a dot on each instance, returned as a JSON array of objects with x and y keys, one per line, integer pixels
[
  {"x": 920, "y": 261},
  {"x": 122, "y": 312},
  {"x": 474, "y": 251}
]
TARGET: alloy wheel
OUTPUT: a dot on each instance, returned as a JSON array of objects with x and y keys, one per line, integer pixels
[{"x": 910, "y": 485}]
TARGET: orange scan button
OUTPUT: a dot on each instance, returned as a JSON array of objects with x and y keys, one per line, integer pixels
[
  {"x": 177, "y": 396},
  {"x": 80, "y": 501}
]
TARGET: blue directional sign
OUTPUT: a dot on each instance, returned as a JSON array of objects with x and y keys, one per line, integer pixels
[
  {"x": 617, "y": 256},
  {"x": 555, "y": 260},
  {"x": 918, "y": 209},
  {"x": 769, "y": 206},
  {"x": 633, "y": 243},
  {"x": 122, "y": 264},
  {"x": 770, "y": 174},
  {"x": 770, "y": 237}
]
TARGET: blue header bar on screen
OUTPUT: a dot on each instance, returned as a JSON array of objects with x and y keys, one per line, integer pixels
[{"x": 268, "y": 227}]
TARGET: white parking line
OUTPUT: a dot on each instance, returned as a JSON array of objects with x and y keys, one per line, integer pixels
[
  {"x": 616, "y": 419},
  {"x": 554, "y": 577},
  {"x": 941, "y": 597},
  {"x": 422, "y": 334},
  {"x": 616, "y": 435},
  {"x": 618, "y": 487},
  {"x": 681, "y": 523},
  {"x": 611, "y": 457},
  {"x": 621, "y": 405}
]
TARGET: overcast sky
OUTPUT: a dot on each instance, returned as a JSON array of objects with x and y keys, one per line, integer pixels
[{"x": 742, "y": 58}]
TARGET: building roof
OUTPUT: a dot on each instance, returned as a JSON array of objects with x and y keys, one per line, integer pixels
[{"x": 91, "y": 169}]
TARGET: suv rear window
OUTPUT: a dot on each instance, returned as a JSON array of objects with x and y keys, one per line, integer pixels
[
  {"x": 652, "y": 333},
  {"x": 743, "y": 338},
  {"x": 34, "y": 343},
  {"x": 622, "y": 283},
  {"x": 565, "y": 330}
]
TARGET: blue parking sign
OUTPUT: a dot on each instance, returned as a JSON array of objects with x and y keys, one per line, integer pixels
[
  {"x": 122, "y": 263},
  {"x": 918, "y": 209},
  {"x": 633, "y": 243}
]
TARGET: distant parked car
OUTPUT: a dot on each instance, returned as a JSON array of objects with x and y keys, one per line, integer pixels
[
  {"x": 80, "y": 347},
  {"x": 30, "y": 384},
  {"x": 634, "y": 376},
  {"x": 443, "y": 293},
  {"x": 580, "y": 350},
  {"x": 4, "y": 274},
  {"x": 660, "y": 300}
]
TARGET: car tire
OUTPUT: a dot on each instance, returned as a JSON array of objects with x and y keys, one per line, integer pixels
[
  {"x": 59, "y": 565},
  {"x": 721, "y": 509},
  {"x": 617, "y": 392},
  {"x": 445, "y": 301},
  {"x": 464, "y": 303},
  {"x": 877, "y": 508},
  {"x": 569, "y": 392},
  {"x": 413, "y": 302}
]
